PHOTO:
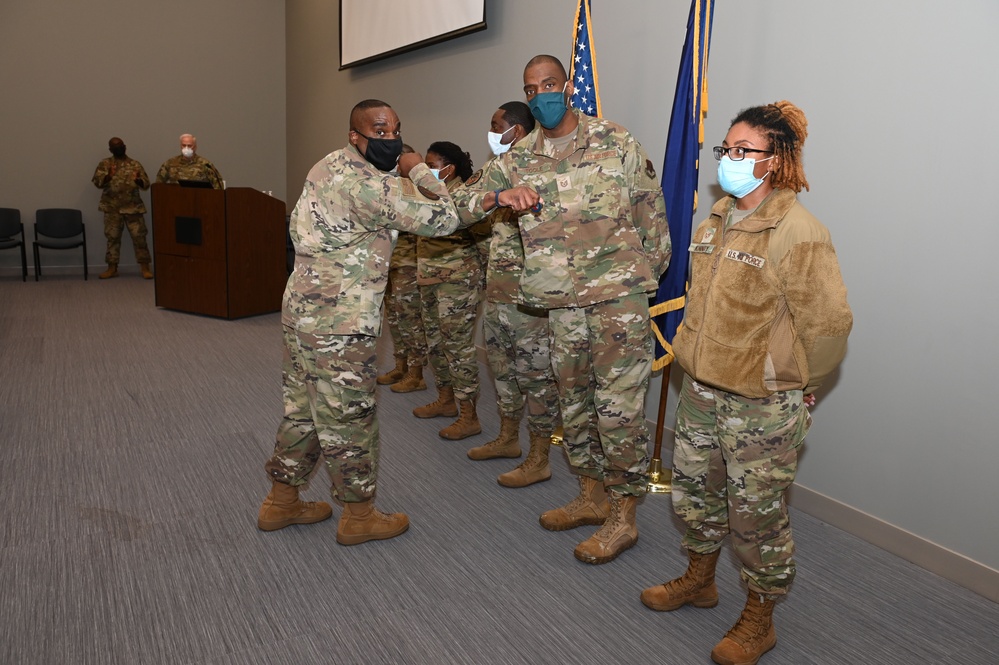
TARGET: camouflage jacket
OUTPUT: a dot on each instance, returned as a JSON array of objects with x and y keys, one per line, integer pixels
[
  {"x": 195, "y": 168},
  {"x": 448, "y": 259},
  {"x": 766, "y": 309},
  {"x": 344, "y": 228},
  {"x": 404, "y": 254},
  {"x": 120, "y": 191},
  {"x": 601, "y": 232}
]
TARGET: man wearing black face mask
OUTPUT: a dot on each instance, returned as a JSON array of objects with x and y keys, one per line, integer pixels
[
  {"x": 120, "y": 178},
  {"x": 343, "y": 228}
]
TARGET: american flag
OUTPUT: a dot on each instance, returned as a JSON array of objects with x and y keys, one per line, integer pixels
[{"x": 583, "y": 71}]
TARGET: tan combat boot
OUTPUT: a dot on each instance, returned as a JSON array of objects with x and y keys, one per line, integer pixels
[
  {"x": 112, "y": 271},
  {"x": 282, "y": 508},
  {"x": 361, "y": 522},
  {"x": 696, "y": 586},
  {"x": 466, "y": 425},
  {"x": 444, "y": 406},
  {"x": 590, "y": 507},
  {"x": 146, "y": 272},
  {"x": 412, "y": 382},
  {"x": 506, "y": 444},
  {"x": 617, "y": 534},
  {"x": 532, "y": 470},
  {"x": 752, "y": 635},
  {"x": 393, "y": 375}
]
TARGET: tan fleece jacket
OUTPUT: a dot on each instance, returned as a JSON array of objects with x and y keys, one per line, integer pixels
[{"x": 766, "y": 309}]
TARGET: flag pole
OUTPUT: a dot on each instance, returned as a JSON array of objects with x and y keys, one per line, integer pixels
[{"x": 660, "y": 483}]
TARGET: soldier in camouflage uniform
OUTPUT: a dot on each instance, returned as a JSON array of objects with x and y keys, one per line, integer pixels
[
  {"x": 404, "y": 315},
  {"x": 189, "y": 165},
  {"x": 593, "y": 252},
  {"x": 120, "y": 178},
  {"x": 766, "y": 321},
  {"x": 343, "y": 228},
  {"x": 450, "y": 279},
  {"x": 516, "y": 336}
]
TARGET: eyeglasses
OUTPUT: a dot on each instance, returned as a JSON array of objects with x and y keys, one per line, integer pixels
[{"x": 736, "y": 153}]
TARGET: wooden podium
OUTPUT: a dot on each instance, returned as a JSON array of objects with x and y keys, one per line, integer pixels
[{"x": 218, "y": 252}]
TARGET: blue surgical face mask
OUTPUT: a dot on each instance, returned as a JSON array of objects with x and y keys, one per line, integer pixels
[
  {"x": 737, "y": 178},
  {"x": 437, "y": 172},
  {"x": 496, "y": 141},
  {"x": 549, "y": 107}
]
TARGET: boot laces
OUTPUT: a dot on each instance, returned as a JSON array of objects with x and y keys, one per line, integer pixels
[
  {"x": 614, "y": 520},
  {"x": 750, "y": 625}
]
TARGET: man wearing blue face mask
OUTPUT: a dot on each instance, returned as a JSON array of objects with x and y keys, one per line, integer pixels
[{"x": 593, "y": 252}]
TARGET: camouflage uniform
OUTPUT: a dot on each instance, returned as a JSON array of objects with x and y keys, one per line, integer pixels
[
  {"x": 122, "y": 205},
  {"x": 450, "y": 279},
  {"x": 402, "y": 304},
  {"x": 344, "y": 227},
  {"x": 766, "y": 321},
  {"x": 516, "y": 337},
  {"x": 196, "y": 168},
  {"x": 591, "y": 255}
]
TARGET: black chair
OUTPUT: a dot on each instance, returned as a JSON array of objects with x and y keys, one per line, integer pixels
[
  {"x": 58, "y": 228},
  {"x": 10, "y": 226}
]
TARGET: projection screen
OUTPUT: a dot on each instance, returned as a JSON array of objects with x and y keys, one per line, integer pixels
[{"x": 374, "y": 29}]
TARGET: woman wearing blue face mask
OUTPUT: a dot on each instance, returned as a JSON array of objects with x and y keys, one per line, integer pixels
[
  {"x": 449, "y": 275},
  {"x": 766, "y": 321}
]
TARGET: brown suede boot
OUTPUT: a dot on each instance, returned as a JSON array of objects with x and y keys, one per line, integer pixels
[
  {"x": 112, "y": 271},
  {"x": 532, "y": 470},
  {"x": 590, "y": 507},
  {"x": 282, "y": 508},
  {"x": 146, "y": 272},
  {"x": 752, "y": 635},
  {"x": 506, "y": 444},
  {"x": 444, "y": 406},
  {"x": 393, "y": 375},
  {"x": 466, "y": 425},
  {"x": 412, "y": 382},
  {"x": 361, "y": 522},
  {"x": 695, "y": 587},
  {"x": 617, "y": 534}
]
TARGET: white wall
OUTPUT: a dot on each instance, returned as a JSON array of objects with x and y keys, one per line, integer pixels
[
  {"x": 900, "y": 98},
  {"x": 75, "y": 74}
]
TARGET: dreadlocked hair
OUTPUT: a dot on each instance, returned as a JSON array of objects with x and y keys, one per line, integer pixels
[
  {"x": 786, "y": 128},
  {"x": 452, "y": 154}
]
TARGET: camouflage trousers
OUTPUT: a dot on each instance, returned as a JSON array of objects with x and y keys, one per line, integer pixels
[
  {"x": 602, "y": 357},
  {"x": 114, "y": 224},
  {"x": 404, "y": 316},
  {"x": 517, "y": 348},
  {"x": 449, "y": 311},
  {"x": 733, "y": 461},
  {"x": 329, "y": 411}
]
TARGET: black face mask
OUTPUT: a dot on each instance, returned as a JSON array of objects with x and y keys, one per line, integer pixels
[
  {"x": 383, "y": 153},
  {"x": 118, "y": 151}
]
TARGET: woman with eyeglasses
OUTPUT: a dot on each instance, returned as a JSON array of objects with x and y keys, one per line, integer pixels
[{"x": 765, "y": 323}]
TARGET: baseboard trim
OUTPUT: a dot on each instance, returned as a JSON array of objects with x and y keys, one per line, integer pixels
[{"x": 924, "y": 553}]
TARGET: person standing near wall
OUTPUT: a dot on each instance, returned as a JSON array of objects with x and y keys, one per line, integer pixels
[
  {"x": 343, "y": 227},
  {"x": 516, "y": 336},
  {"x": 593, "y": 252},
  {"x": 120, "y": 179},
  {"x": 765, "y": 323},
  {"x": 450, "y": 278},
  {"x": 189, "y": 165}
]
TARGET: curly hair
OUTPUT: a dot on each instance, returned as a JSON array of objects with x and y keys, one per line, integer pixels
[
  {"x": 786, "y": 128},
  {"x": 453, "y": 154}
]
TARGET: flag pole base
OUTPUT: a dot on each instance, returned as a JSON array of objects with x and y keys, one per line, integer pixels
[
  {"x": 659, "y": 483},
  {"x": 557, "y": 436}
]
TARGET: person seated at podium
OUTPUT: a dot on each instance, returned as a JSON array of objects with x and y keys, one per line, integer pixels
[
  {"x": 189, "y": 166},
  {"x": 343, "y": 227}
]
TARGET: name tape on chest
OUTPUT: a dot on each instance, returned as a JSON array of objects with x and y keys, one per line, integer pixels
[
  {"x": 701, "y": 248},
  {"x": 743, "y": 257}
]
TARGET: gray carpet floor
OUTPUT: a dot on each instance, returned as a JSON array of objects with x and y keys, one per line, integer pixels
[{"x": 134, "y": 443}]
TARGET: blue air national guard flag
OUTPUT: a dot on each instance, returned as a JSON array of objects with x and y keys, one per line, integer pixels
[
  {"x": 583, "y": 68},
  {"x": 686, "y": 133}
]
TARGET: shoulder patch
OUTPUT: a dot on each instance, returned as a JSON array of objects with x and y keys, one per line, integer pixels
[
  {"x": 474, "y": 178},
  {"x": 650, "y": 170},
  {"x": 427, "y": 193}
]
